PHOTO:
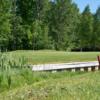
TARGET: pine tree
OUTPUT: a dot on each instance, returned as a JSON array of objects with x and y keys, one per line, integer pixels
[
  {"x": 86, "y": 29},
  {"x": 97, "y": 29}
]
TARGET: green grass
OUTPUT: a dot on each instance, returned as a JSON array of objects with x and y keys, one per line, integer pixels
[
  {"x": 19, "y": 83},
  {"x": 40, "y": 57},
  {"x": 59, "y": 86}
]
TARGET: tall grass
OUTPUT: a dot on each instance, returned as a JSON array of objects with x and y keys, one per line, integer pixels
[
  {"x": 15, "y": 73},
  {"x": 8, "y": 61},
  {"x": 10, "y": 67}
]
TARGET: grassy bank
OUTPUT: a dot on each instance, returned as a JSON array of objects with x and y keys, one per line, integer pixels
[
  {"x": 59, "y": 86},
  {"x": 37, "y": 57},
  {"x": 18, "y": 82}
]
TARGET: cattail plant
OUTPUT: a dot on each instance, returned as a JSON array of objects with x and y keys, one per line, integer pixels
[
  {"x": 7, "y": 61},
  {"x": 10, "y": 67},
  {"x": 9, "y": 81},
  {"x": 1, "y": 77}
]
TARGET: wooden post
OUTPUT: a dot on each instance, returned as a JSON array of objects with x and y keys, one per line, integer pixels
[
  {"x": 96, "y": 68},
  {"x": 98, "y": 61},
  {"x": 82, "y": 69},
  {"x": 54, "y": 71},
  {"x": 89, "y": 69},
  {"x": 73, "y": 70}
]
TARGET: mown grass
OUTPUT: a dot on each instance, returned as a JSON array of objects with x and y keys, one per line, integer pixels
[
  {"x": 59, "y": 86},
  {"x": 40, "y": 57}
]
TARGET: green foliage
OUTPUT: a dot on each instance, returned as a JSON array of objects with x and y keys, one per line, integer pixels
[
  {"x": 40, "y": 36},
  {"x": 86, "y": 30},
  {"x": 47, "y": 24},
  {"x": 17, "y": 81},
  {"x": 9, "y": 81},
  {"x": 96, "y": 31},
  {"x": 10, "y": 66},
  {"x": 62, "y": 22},
  {"x": 7, "y": 61},
  {"x": 15, "y": 73},
  {"x": 4, "y": 24}
]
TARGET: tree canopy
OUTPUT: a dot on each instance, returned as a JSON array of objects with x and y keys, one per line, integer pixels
[{"x": 48, "y": 24}]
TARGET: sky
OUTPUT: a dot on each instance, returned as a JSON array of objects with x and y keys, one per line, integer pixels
[{"x": 92, "y": 3}]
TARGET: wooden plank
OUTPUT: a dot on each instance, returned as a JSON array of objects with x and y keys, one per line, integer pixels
[{"x": 63, "y": 66}]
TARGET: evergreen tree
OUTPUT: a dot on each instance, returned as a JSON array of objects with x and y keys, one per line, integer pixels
[
  {"x": 97, "y": 29},
  {"x": 86, "y": 29}
]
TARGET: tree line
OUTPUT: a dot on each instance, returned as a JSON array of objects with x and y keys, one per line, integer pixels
[{"x": 48, "y": 24}]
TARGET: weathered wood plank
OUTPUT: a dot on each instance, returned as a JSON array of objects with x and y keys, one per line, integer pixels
[{"x": 63, "y": 66}]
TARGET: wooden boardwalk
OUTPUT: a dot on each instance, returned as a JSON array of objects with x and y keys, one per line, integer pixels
[{"x": 89, "y": 66}]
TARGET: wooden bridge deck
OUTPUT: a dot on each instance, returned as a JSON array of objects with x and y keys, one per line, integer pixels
[{"x": 66, "y": 66}]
